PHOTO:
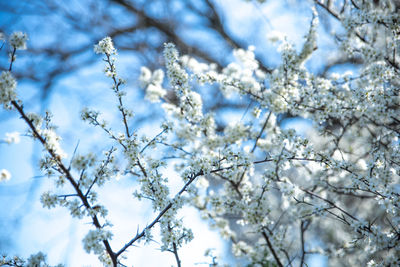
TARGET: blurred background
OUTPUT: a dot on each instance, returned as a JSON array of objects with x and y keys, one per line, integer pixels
[{"x": 60, "y": 72}]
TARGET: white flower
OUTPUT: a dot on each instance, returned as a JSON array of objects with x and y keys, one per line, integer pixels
[
  {"x": 4, "y": 175},
  {"x": 145, "y": 77},
  {"x": 170, "y": 52},
  {"x": 18, "y": 40},
  {"x": 12, "y": 138},
  {"x": 52, "y": 142},
  {"x": 178, "y": 77},
  {"x": 158, "y": 76},
  {"x": 48, "y": 200},
  {"x": 7, "y": 88},
  {"x": 93, "y": 240},
  {"x": 105, "y": 46},
  {"x": 246, "y": 58},
  {"x": 35, "y": 119},
  {"x": 152, "y": 83},
  {"x": 194, "y": 106},
  {"x": 240, "y": 248},
  {"x": 105, "y": 259},
  {"x": 194, "y": 65},
  {"x": 154, "y": 92},
  {"x": 81, "y": 162}
]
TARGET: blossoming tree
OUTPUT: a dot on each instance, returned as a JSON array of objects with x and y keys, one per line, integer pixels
[{"x": 277, "y": 196}]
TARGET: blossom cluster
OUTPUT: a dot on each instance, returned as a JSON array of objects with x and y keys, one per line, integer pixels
[
  {"x": 5, "y": 175},
  {"x": 152, "y": 82},
  {"x": 275, "y": 194},
  {"x": 8, "y": 86},
  {"x": 92, "y": 241},
  {"x": 190, "y": 102},
  {"x": 18, "y": 40},
  {"x": 12, "y": 138},
  {"x": 105, "y": 46},
  {"x": 299, "y": 179}
]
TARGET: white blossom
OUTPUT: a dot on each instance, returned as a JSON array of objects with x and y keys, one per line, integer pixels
[
  {"x": 4, "y": 175},
  {"x": 18, "y": 40},
  {"x": 7, "y": 88},
  {"x": 53, "y": 142},
  {"x": 35, "y": 119},
  {"x": 240, "y": 248},
  {"x": 93, "y": 241},
  {"x": 12, "y": 138},
  {"x": 105, "y": 46},
  {"x": 145, "y": 77},
  {"x": 154, "y": 93},
  {"x": 49, "y": 200}
]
